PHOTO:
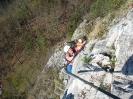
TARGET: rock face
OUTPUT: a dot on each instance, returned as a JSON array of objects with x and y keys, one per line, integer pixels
[
  {"x": 57, "y": 58},
  {"x": 115, "y": 53},
  {"x": 80, "y": 31},
  {"x": 123, "y": 77},
  {"x": 110, "y": 66}
]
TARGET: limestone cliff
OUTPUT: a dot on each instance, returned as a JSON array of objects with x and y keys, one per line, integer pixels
[{"x": 111, "y": 65}]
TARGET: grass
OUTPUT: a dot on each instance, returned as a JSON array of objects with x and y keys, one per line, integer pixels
[
  {"x": 86, "y": 59},
  {"x": 105, "y": 11},
  {"x": 105, "y": 86},
  {"x": 111, "y": 47},
  {"x": 102, "y": 86},
  {"x": 83, "y": 94},
  {"x": 112, "y": 61}
]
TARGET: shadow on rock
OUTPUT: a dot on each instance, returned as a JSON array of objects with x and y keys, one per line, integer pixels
[
  {"x": 89, "y": 68},
  {"x": 69, "y": 96},
  {"x": 131, "y": 97},
  {"x": 64, "y": 95},
  {"x": 123, "y": 86},
  {"x": 128, "y": 67}
]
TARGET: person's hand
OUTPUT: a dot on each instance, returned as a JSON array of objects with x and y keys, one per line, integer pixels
[
  {"x": 72, "y": 58},
  {"x": 73, "y": 54},
  {"x": 84, "y": 42}
]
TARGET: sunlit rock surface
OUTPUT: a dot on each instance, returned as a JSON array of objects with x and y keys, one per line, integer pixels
[{"x": 118, "y": 43}]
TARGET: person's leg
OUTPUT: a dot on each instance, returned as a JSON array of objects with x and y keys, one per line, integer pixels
[{"x": 69, "y": 68}]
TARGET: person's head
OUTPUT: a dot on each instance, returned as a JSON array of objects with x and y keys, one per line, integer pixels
[
  {"x": 80, "y": 40},
  {"x": 68, "y": 49}
]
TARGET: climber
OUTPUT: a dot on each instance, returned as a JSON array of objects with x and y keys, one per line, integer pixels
[
  {"x": 79, "y": 45},
  {"x": 71, "y": 52},
  {"x": 69, "y": 55}
]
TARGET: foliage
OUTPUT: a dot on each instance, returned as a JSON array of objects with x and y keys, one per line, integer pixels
[
  {"x": 86, "y": 59},
  {"x": 102, "y": 86},
  {"x": 83, "y": 94},
  {"x": 17, "y": 82},
  {"x": 112, "y": 61},
  {"x": 22, "y": 12},
  {"x": 73, "y": 23},
  {"x": 105, "y": 86},
  {"x": 100, "y": 8},
  {"x": 33, "y": 42},
  {"x": 41, "y": 41},
  {"x": 20, "y": 15},
  {"x": 28, "y": 42}
]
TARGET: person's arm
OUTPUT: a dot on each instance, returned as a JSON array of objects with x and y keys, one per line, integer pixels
[
  {"x": 80, "y": 45},
  {"x": 69, "y": 58},
  {"x": 83, "y": 43}
]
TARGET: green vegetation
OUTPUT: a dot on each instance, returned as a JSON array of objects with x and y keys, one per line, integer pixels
[
  {"x": 105, "y": 86},
  {"x": 102, "y": 86},
  {"x": 17, "y": 83},
  {"x": 87, "y": 59},
  {"x": 113, "y": 61},
  {"x": 33, "y": 42},
  {"x": 28, "y": 42},
  {"x": 73, "y": 23},
  {"x": 83, "y": 94},
  {"x": 112, "y": 47},
  {"x": 23, "y": 12},
  {"x": 40, "y": 40},
  {"x": 100, "y": 8}
]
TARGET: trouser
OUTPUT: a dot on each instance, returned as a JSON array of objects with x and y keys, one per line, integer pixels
[{"x": 69, "y": 68}]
